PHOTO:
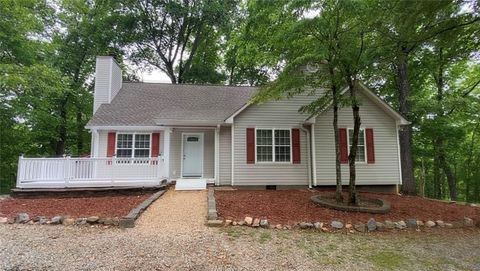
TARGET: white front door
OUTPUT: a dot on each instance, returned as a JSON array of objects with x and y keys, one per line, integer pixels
[{"x": 192, "y": 155}]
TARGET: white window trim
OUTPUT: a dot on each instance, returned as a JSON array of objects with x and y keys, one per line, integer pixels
[
  {"x": 273, "y": 146},
  {"x": 364, "y": 144},
  {"x": 133, "y": 147}
]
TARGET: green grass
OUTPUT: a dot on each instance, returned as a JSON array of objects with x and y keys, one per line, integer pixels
[
  {"x": 387, "y": 260},
  {"x": 264, "y": 237}
]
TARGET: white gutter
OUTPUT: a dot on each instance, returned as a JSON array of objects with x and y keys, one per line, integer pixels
[
  {"x": 217, "y": 155},
  {"x": 314, "y": 158},
  {"x": 397, "y": 130},
  {"x": 307, "y": 132},
  {"x": 233, "y": 152}
]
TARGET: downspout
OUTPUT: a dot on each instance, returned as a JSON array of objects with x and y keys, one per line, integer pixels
[
  {"x": 397, "y": 130},
  {"x": 309, "y": 170}
]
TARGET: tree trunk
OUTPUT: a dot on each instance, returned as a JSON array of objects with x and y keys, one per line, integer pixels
[
  {"x": 352, "y": 189},
  {"x": 79, "y": 132},
  {"x": 338, "y": 168},
  {"x": 451, "y": 181},
  {"x": 437, "y": 193},
  {"x": 62, "y": 129},
  {"x": 405, "y": 134}
]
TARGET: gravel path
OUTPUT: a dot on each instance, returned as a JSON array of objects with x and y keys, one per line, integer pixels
[{"x": 170, "y": 236}]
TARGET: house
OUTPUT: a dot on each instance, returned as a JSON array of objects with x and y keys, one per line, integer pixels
[{"x": 197, "y": 134}]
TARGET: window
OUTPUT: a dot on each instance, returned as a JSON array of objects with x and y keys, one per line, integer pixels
[
  {"x": 273, "y": 145},
  {"x": 361, "y": 144},
  {"x": 133, "y": 146}
]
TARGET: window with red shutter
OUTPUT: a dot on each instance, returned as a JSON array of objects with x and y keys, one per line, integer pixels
[
  {"x": 296, "y": 146},
  {"x": 111, "y": 144},
  {"x": 250, "y": 145},
  {"x": 343, "y": 144},
  {"x": 155, "y": 151},
  {"x": 370, "y": 146}
]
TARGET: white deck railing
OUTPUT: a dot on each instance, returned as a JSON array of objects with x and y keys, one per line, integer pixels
[{"x": 89, "y": 172}]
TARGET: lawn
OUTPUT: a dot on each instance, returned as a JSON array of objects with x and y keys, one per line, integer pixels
[{"x": 293, "y": 206}]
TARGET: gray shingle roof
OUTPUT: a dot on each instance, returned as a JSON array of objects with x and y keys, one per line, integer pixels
[{"x": 150, "y": 104}]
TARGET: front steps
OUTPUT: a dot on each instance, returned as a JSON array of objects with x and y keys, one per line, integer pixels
[{"x": 191, "y": 184}]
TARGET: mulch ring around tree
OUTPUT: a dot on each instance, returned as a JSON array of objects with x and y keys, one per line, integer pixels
[
  {"x": 103, "y": 206},
  {"x": 289, "y": 207}
]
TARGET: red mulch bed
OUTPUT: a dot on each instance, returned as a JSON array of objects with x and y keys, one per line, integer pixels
[
  {"x": 293, "y": 206},
  {"x": 103, "y": 206}
]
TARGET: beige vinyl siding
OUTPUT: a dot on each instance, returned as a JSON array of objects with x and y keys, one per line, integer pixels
[
  {"x": 225, "y": 159},
  {"x": 102, "y": 82},
  {"x": 385, "y": 170},
  {"x": 276, "y": 114},
  {"x": 176, "y": 152}
]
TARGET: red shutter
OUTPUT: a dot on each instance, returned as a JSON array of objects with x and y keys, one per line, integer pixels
[
  {"x": 370, "y": 146},
  {"x": 111, "y": 144},
  {"x": 250, "y": 145},
  {"x": 296, "y": 146},
  {"x": 342, "y": 134},
  {"x": 155, "y": 145}
]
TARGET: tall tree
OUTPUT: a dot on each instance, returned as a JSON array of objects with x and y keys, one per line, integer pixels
[
  {"x": 169, "y": 34},
  {"x": 403, "y": 29}
]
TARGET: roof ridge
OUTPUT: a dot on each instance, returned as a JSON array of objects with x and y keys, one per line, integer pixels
[{"x": 186, "y": 84}]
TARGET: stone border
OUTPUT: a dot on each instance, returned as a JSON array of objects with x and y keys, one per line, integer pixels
[
  {"x": 128, "y": 221},
  {"x": 382, "y": 209},
  {"x": 212, "y": 215},
  {"x": 338, "y": 226}
]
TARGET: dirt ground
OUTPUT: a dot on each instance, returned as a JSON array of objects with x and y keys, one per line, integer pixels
[{"x": 293, "y": 206}]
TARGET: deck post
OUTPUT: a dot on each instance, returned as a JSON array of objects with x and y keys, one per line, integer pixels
[
  {"x": 20, "y": 171},
  {"x": 66, "y": 176},
  {"x": 114, "y": 157},
  {"x": 166, "y": 153}
]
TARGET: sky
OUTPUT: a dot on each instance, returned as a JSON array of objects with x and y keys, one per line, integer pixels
[{"x": 154, "y": 76}]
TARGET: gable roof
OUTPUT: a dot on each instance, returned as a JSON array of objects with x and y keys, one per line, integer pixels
[{"x": 152, "y": 104}]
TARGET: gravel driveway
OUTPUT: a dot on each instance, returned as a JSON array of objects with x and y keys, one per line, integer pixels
[{"x": 170, "y": 236}]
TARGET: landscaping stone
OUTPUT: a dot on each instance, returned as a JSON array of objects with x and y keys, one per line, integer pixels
[
  {"x": 420, "y": 223},
  {"x": 360, "y": 227},
  {"x": 440, "y": 223},
  {"x": 278, "y": 226},
  {"x": 241, "y": 223},
  {"x": 411, "y": 223},
  {"x": 93, "y": 219},
  {"x": 380, "y": 226},
  {"x": 336, "y": 225},
  {"x": 449, "y": 225},
  {"x": 234, "y": 223},
  {"x": 22, "y": 218},
  {"x": 287, "y": 227},
  {"x": 468, "y": 222},
  {"x": 68, "y": 221},
  {"x": 325, "y": 229},
  {"x": 80, "y": 221},
  {"x": 56, "y": 220},
  {"x": 371, "y": 224},
  {"x": 248, "y": 220},
  {"x": 430, "y": 224},
  {"x": 130, "y": 222},
  {"x": 256, "y": 223},
  {"x": 3, "y": 220},
  {"x": 228, "y": 222},
  {"x": 107, "y": 221},
  {"x": 400, "y": 225},
  {"x": 318, "y": 225},
  {"x": 348, "y": 226},
  {"x": 263, "y": 223},
  {"x": 42, "y": 221},
  {"x": 214, "y": 223},
  {"x": 305, "y": 225},
  {"x": 389, "y": 224}
]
